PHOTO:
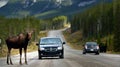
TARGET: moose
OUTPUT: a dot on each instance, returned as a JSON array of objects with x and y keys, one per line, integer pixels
[{"x": 18, "y": 42}]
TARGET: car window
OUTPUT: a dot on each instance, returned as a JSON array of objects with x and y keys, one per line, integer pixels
[
  {"x": 91, "y": 45},
  {"x": 50, "y": 41}
]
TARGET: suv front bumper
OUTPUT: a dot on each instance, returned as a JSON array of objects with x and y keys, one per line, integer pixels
[
  {"x": 51, "y": 53},
  {"x": 91, "y": 50}
]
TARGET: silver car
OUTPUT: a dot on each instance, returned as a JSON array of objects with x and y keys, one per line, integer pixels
[{"x": 91, "y": 47}]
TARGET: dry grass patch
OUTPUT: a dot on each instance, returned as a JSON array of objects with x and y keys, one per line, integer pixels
[{"x": 74, "y": 40}]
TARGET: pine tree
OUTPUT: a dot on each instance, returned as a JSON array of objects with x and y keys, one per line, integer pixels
[{"x": 117, "y": 26}]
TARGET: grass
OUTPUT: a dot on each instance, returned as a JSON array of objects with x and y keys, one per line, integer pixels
[
  {"x": 112, "y": 52},
  {"x": 23, "y": 13},
  {"x": 74, "y": 40},
  {"x": 31, "y": 47}
]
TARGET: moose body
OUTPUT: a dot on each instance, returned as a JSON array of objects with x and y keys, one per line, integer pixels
[{"x": 18, "y": 42}]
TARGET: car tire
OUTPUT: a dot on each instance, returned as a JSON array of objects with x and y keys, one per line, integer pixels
[
  {"x": 62, "y": 54},
  {"x": 84, "y": 52},
  {"x": 39, "y": 55},
  {"x": 97, "y": 53}
]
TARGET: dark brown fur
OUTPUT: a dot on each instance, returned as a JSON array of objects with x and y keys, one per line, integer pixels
[{"x": 18, "y": 42}]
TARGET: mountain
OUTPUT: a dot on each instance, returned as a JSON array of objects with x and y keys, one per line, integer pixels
[{"x": 45, "y": 8}]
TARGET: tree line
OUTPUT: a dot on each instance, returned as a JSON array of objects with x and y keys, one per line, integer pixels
[{"x": 100, "y": 23}]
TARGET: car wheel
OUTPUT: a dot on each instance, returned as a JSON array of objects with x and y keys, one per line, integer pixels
[
  {"x": 62, "y": 55},
  {"x": 84, "y": 52},
  {"x": 39, "y": 55},
  {"x": 97, "y": 53}
]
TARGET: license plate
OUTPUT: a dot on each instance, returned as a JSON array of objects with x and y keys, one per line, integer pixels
[{"x": 91, "y": 49}]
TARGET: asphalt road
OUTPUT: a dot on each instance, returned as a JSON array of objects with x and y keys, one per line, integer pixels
[{"x": 72, "y": 58}]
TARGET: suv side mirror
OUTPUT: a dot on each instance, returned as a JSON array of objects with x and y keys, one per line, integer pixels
[
  {"x": 37, "y": 44},
  {"x": 63, "y": 42}
]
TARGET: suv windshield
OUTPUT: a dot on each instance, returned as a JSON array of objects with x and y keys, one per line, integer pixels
[
  {"x": 91, "y": 44},
  {"x": 49, "y": 41}
]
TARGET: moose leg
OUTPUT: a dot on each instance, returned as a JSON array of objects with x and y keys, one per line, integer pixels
[
  {"x": 8, "y": 56},
  {"x": 20, "y": 50},
  {"x": 25, "y": 49}
]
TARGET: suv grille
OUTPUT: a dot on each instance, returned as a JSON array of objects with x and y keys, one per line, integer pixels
[{"x": 51, "y": 49}]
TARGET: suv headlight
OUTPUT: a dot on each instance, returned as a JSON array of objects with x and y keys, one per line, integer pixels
[
  {"x": 85, "y": 47},
  {"x": 42, "y": 48},
  {"x": 59, "y": 48},
  {"x": 97, "y": 47}
]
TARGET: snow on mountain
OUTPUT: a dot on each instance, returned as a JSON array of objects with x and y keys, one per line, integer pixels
[
  {"x": 3, "y": 3},
  {"x": 28, "y": 3},
  {"x": 84, "y": 3},
  {"x": 34, "y": 1},
  {"x": 61, "y": 3}
]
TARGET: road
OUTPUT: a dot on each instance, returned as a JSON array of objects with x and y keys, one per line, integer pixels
[{"x": 73, "y": 58}]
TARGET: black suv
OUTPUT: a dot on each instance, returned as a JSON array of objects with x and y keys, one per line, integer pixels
[
  {"x": 91, "y": 47},
  {"x": 50, "y": 47}
]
